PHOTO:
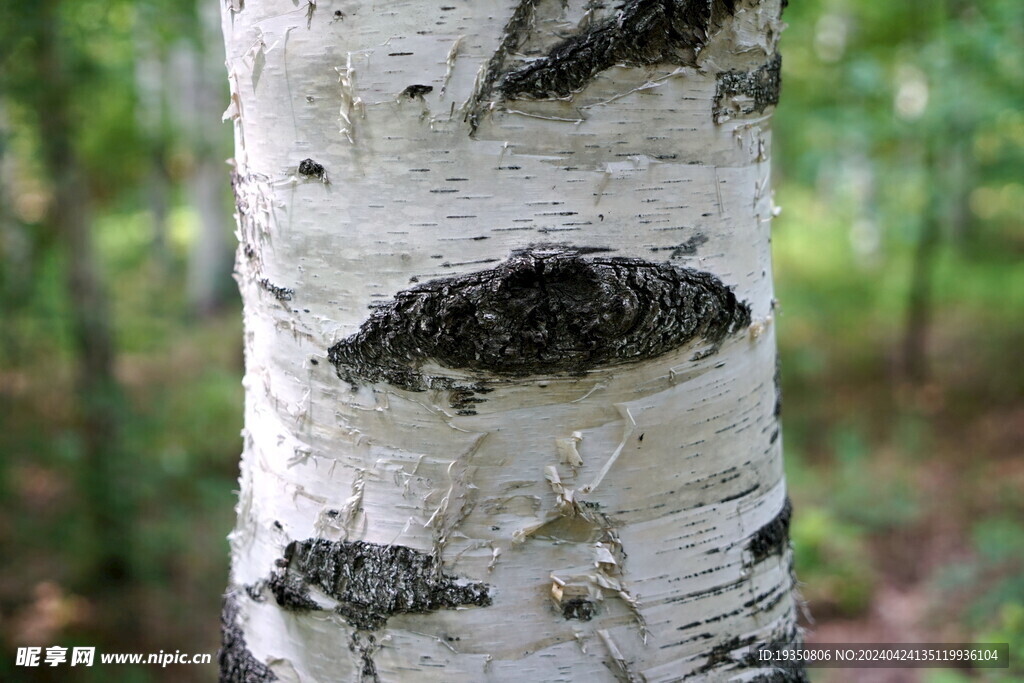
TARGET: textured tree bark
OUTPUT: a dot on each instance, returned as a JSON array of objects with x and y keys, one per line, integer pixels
[{"x": 510, "y": 409}]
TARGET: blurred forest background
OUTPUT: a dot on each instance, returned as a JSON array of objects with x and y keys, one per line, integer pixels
[{"x": 899, "y": 152}]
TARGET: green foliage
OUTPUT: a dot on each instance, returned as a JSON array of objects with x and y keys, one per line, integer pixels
[
  {"x": 896, "y": 120},
  {"x": 875, "y": 498},
  {"x": 832, "y": 561},
  {"x": 74, "y": 95},
  {"x": 903, "y": 114},
  {"x": 993, "y": 579},
  {"x": 1008, "y": 627}
]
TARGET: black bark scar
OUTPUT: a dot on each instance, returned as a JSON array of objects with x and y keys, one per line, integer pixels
[
  {"x": 278, "y": 292},
  {"x": 777, "y": 381},
  {"x": 578, "y": 608},
  {"x": 643, "y": 32},
  {"x": 543, "y": 311},
  {"x": 773, "y": 537},
  {"x": 740, "y": 93},
  {"x": 414, "y": 91},
  {"x": 738, "y": 654},
  {"x": 308, "y": 167},
  {"x": 237, "y": 663},
  {"x": 370, "y": 582},
  {"x": 515, "y": 33}
]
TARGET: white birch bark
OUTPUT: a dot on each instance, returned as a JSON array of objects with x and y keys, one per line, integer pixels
[{"x": 621, "y": 521}]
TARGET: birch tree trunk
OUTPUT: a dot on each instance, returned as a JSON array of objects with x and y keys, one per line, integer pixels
[{"x": 511, "y": 410}]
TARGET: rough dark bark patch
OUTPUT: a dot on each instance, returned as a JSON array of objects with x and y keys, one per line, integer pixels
[
  {"x": 642, "y": 32},
  {"x": 237, "y": 664},
  {"x": 736, "y": 654},
  {"x": 278, "y": 292},
  {"x": 578, "y": 608},
  {"x": 777, "y": 380},
  {"x": 773, "y": 537},
  {"x": 723, "y": 652},
  {"x": 740, "y": 93},
  {"x": 414, "y": 91},
  {"x": 544, "y": 311},
  {"x": 514, "y": 35},
  {"x": 370, "y": 582},
  {"x": 308, "y": 167},
  {"x": 687, "y": 248},
  {"x": 784, "y": 675},
  {"x": 791, "y": 671}
]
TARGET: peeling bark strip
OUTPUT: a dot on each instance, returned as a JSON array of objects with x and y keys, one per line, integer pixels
[
  {"x": 740, "y": 93},
  {"x": 370, "y": 582},
  {"x": 540, "y": 312},
  {"x": 237, "y": 664},
  {"x": 773, "y": 537},
  {"x": 642, "y": 32}
]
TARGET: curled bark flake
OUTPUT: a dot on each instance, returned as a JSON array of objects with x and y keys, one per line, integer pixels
[
  {"x": 370, "y": 582},
  {"x": 237, "y": 663},
  {"x": 543, "y": 311}
]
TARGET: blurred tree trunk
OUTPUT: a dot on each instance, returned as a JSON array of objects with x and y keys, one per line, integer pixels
[
  {"x": 209, "y": 263},
  {"x": 920, "y": 298},
  {"x": 187, "y": 73},
  {"x": 510, "y": 405},
  {"x": 153, "y": 82},
  {"x": 946, "y": 211},
  {"x": 16, "y": 252},
  {"x": 98, "y": 394}
]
